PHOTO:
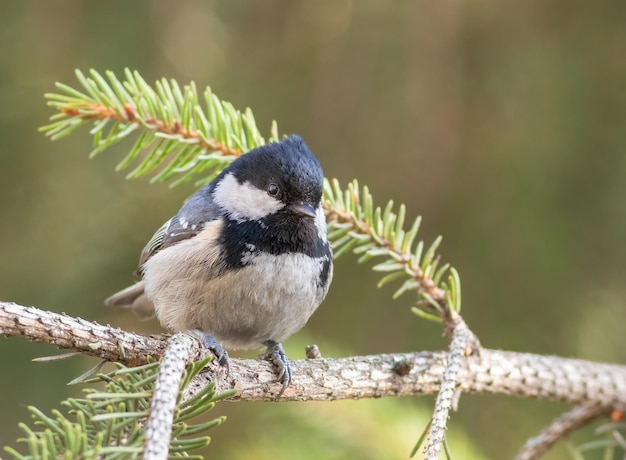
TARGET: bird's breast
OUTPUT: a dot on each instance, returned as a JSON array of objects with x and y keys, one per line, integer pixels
[
  {"x": 270, "y": 298},
  {"x": 266, "y": 297}
]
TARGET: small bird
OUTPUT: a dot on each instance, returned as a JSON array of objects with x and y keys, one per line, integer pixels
[{"x": 246, "y": 260}]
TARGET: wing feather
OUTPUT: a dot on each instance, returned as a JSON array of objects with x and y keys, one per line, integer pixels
[{"x": 189, "y": 221}]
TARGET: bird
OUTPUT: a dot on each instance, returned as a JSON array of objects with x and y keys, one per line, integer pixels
[{"x": 246, "y": 260}]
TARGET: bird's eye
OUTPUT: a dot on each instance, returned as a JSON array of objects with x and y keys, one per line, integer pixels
[{"x": 273, "y": 190}]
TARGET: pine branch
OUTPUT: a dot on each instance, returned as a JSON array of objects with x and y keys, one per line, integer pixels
[
  {"x": 611, "y": 437},
  {"x": 110, "y": 423},
  {"x": 104, "y": 342},
  {"x": 356, "y": 225},
  {"x": 175, "y": 128},
  {"x": 163, "y": 403},
  {"x": 561, "y": 427},
  {"x": 461, "y": 340},
  {"x": 490, "y": 372}
]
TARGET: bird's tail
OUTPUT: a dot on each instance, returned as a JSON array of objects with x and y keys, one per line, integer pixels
[{"x": 133, "y": 297}]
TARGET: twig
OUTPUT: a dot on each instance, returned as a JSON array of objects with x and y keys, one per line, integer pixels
[
  {"x": 561, "y": 427},
  {"x": 163, "y": 404},
  {"x": 129, "y": 115},
  {"x": 106, "y": 342},
  {"x": 492, "y": 371},
  {"x": 461, "y": 340}
]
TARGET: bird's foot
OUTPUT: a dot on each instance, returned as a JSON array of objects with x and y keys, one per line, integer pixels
[
  {"x": 276, "y": 354},
  {"x": 213, "y": 345}
]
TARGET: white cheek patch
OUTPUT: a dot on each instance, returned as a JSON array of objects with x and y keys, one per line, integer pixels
[
  {"x": 244, "y": 201},
  {"x": 320, "y": 223}
]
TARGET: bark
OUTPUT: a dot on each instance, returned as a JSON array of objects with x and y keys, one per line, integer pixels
[{"x": 489, "y": 372}]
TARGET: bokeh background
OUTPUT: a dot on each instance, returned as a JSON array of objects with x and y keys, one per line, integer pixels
[{"x": 502, "y": 123}]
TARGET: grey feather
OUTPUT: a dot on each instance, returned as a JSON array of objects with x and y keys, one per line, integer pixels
[
  {"x": 133, "y": 297},
  {"x": 155, "y": 243}
]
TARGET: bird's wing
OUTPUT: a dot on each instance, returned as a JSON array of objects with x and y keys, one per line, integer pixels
[
  {"x": 171, "y": 232},
  {"x": 186, "y": 224},
  {"x": 155, "y": 243}
]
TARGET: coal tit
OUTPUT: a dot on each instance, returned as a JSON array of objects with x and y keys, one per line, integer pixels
[{"x": 246, "y": 260}]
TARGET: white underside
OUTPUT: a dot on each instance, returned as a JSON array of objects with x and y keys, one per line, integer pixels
[{"x": 269, "y": 299}]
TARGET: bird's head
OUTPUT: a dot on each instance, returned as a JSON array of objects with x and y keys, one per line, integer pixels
[{"x": 282, "y": 177}]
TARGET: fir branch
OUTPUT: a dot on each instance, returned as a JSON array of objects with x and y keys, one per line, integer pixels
[
  {"x": 356, "y": 225},
  {"x": 614, "y": 434},
  {"x": 562, "y": 427},
  {"x": 166, "y": 390},
  {"x": 489, "y": 372},
  {"x": 175, "y": 127},
  {"x": 109, "y": 423},
  {"x": 459, "y": 346},
  {"x": 90, "y": 338}
]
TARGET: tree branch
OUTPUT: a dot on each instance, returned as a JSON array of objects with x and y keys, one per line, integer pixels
[
  {"x": 494, "y": 372},
  {"x": 461, "y": 341},
  {"x": 166, "y": 390},
  {"x": 129, "y": 116},
  {"x": 106, "y": 342},
  {"x": 561, "y": 427}
]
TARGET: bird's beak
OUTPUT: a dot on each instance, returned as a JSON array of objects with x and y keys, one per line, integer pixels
[{"x": 303, "y": 208}]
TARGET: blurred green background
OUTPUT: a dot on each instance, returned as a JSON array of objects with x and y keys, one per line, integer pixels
[{"x": 502, "y": 123}]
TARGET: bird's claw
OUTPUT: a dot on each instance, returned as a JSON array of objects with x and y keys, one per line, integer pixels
[
  {"x": 213, "y": 345},
  {"x": 276, "y": 354}
]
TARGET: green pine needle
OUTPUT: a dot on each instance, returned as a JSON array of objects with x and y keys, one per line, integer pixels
[
  {"x": 356, "y": 225},
  {"x": 110, "y": 422},
  {"x": 183, "y": 134}
]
